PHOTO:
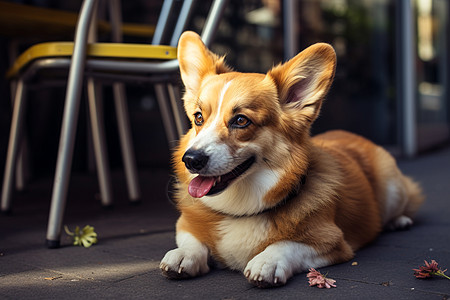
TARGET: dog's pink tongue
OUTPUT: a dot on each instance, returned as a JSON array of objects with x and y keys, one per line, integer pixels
[{"x": 200, "y": 186}]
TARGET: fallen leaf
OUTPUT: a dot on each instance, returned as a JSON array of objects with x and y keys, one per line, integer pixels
[{"x": 53, "y": 278}]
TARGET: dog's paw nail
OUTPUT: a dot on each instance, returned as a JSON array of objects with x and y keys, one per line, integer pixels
[
  {"x": 247, "y": 273},
  {"x": 166, "y": 268},
  {"x": 260, "y": 278},
  {"x": 180, "y": 270},
  {"x": 275, "y": 281}
]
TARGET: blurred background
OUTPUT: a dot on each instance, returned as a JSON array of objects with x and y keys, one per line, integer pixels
[{"x": 366, "y": 97}]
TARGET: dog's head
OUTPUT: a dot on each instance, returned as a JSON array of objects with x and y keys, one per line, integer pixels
[{"x": 250, "y": 132}]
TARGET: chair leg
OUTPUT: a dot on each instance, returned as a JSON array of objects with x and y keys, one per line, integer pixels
[
  {"x": 169, "y": 126},
  {"x": 64, "y": 162},
  {"x": 13, "y": 145},
  {"x": 99, "y": 141},
  {"x": 21, "y": 163},
  {"x": 126, "y": 142},
  {"x": 68, "y": 128},
  {"x": 177, "y": 109}
]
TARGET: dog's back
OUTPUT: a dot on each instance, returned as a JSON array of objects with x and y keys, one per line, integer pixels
[{"x": 397, "y": 196}]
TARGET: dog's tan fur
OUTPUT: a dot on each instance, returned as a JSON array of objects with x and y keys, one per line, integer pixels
[{"x": 305, "y": 202}]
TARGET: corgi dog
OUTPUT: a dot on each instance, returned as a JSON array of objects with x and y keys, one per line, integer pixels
[{"x": 256, "y": 193}]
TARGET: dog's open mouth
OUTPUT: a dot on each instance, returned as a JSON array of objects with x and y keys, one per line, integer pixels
[{"x": 211, "y": 185}]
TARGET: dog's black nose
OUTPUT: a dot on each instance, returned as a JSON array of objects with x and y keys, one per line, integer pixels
[{"x": 195, "y": 160}]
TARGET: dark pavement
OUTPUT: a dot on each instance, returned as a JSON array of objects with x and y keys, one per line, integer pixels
[{"x": 132, "y": 240}]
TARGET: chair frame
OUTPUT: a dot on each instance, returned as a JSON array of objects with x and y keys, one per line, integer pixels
[{"x": 81, "y": 66}]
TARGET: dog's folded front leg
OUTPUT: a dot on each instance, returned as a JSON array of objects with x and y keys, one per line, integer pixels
[
  {"x": 190, "y": 259},
  {"x": 279, "y": 261}
]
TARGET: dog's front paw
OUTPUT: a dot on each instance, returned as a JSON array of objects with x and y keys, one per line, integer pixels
[
  {"x": 182, "y": 263},
  {"x": 266, "y": 271}
]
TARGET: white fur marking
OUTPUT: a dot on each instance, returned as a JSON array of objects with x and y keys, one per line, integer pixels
[
  {"x": 209, "y": 132},
  {"x": 208, "y": 141},
  {"x": 222, "y": 96},
  {"x": 239, "y": 238}
]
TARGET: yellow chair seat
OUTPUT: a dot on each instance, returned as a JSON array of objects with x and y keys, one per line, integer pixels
[{"x": 99, "y": 50}]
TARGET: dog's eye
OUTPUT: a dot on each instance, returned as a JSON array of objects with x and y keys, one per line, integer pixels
[
  {"x": 198, "y": 119},
  {"x": 240, "y": 121}
]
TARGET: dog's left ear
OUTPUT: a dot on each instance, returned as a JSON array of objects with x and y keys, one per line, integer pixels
[{"x": 304, "y": 80}]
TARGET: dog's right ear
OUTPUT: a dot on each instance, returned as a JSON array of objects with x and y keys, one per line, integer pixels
[
  {"x": 304, "y": 80},
  {"x": 196, "y": 61}
]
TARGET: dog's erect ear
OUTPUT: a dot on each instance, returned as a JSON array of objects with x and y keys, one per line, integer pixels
[
  {"x": 304, "y": 80},
  {"x": 196, "y": 61}
]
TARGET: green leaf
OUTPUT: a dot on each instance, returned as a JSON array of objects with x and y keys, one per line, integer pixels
[{"x": 85, "y": 237}]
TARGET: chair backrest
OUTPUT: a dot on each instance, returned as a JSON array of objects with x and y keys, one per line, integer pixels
[
  {"x": 169, "y": 28},
  {"x": 168, "y": 10},
  {"x": 184, "y": 8}
]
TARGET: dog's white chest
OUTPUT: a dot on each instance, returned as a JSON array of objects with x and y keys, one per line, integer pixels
[{"x": 238, "y": 239}]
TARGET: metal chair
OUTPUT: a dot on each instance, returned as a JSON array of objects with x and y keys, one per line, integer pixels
[
  {"x": 117, "y": 63},
  {"x": 23, "y": 23}
]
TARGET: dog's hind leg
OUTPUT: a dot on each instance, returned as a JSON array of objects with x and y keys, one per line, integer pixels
[
  {"x": 402, "y": 196},
  {"x": 409, "y": 198}
]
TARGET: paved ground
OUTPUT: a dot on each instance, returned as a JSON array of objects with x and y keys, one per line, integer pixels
[{"x": 132, "y": 240}]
